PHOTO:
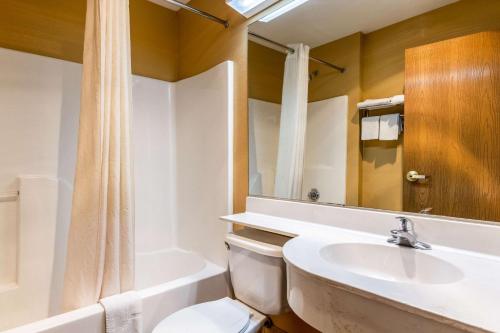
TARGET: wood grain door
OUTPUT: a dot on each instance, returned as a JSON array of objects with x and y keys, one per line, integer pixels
[{"x": 452, "y": 127}]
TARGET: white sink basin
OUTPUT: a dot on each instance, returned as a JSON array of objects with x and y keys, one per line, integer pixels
[
  {"x": 391, "y": 263},
  {"x": 346, "y": 280}
]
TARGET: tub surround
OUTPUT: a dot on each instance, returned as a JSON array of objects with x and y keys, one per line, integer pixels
[
  {"x": 468, "y": 302},
  {"x": 46, "y": 90},
  {"x": 28, "y": 295}
]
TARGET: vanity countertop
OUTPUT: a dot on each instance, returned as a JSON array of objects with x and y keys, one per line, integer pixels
[{"x": 472, "y": 298}]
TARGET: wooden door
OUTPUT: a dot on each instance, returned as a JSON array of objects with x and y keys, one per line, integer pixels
[{"x": 452, "y": 127}]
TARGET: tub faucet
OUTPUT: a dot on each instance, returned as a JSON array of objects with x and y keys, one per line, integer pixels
[{"x": 405, "y": 236}]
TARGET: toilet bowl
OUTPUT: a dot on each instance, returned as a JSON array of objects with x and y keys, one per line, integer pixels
[{"x": 258, "y": 278}]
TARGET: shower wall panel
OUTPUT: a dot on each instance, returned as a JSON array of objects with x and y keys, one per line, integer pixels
[{"x": 204, "y": 159}]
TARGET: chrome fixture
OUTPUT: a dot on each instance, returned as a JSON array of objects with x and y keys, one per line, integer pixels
[
  {"x": 406, "y": 237},
  {"x": 206, "y": 15},
  {"x": 313, "y": 74},
  {"x": 413, "y": 176},
  {"x": 313, "y": 194},
  {"x": 9, "y": 196},
  {"x": 291, "y": 50}
]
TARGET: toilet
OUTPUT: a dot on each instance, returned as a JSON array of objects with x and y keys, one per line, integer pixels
[{"x": 258, "y": 277}]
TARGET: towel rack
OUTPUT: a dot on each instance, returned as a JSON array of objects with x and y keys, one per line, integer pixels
[
  {"x": 9, "y": 196},
  {"x": 366, "y": 113}
]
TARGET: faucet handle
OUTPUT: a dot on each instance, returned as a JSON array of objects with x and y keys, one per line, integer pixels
[{"x": 404, "y": 222}]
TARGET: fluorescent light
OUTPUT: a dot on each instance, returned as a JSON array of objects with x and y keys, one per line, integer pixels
[
  {"x": 249, "y": 7},
  {"x": 282, "y": 10}
]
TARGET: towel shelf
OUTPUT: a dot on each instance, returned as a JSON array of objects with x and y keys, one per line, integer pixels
[
  {"x": 366, "y": 113},
  {"x": 379, "y": 107}
]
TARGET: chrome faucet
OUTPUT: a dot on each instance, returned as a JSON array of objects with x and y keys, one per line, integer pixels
[{"x": 406, "y": 237}]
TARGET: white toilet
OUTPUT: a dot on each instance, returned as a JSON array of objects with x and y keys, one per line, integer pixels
[{"x": 258, "y": 277}]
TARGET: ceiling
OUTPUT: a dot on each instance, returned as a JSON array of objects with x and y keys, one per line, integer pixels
[
  {"x": 167, "y": 5},
  {"x": 318, "y": 22}
]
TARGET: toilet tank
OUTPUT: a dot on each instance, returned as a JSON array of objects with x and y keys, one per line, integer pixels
[{"x": 258, "y": 272}]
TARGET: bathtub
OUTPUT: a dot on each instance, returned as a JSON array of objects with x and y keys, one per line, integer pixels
[{"x": 167, "y": 281}]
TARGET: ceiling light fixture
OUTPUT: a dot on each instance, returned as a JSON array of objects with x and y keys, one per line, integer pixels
[
  {"x": 249, "y": 8},
  {"x": 282, "y": 10}
]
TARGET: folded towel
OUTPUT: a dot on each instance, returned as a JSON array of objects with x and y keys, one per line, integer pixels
[
  {"x": 398, "y": 99},
  {"x": 390, "y": 127},
  {"x": 373, "y": 104},
  {"x": 370, "y": 103},
  {"x": 370, "y": 128},
  {"x": 123, "y": 313}
]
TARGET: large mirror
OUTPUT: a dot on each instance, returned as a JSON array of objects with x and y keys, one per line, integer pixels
[{"x": 388, "y": 104}]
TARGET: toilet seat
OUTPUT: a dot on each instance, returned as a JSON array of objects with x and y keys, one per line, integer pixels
[{"x": 221, "y": 316}]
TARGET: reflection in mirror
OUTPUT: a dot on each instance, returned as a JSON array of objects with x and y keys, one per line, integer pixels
[{"x": 391, "y": 105}]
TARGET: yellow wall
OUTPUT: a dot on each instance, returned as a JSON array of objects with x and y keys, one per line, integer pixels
[
  {"x": 51, "y": 28},
  {"x": 154, "y": 39},
  {"x": 266, "y": 68},
  {"x": 55, "y": 28}
]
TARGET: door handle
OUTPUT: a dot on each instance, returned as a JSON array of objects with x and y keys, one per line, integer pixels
[{"x": 414, "y": 176}]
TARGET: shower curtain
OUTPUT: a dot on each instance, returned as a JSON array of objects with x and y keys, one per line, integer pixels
[
  {"x": 290, "y": 162},
  {"x": 100, "y": 258}
]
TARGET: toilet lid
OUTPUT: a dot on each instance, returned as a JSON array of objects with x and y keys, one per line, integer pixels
[{"x": 221, "y": 316}]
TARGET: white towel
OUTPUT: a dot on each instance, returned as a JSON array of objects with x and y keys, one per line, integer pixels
[
  {"x": 397, "y": 100},
  {"x": 390, "y": 127},
  {"x": 370, "y": 128},
  {"x": 374, "y": 103},
  {"x": 123, "y": 313}
]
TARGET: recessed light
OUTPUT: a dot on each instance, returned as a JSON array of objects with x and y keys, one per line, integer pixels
[
  {"x": 282, "y": 10},
  {"x": 249, "y": 7}
]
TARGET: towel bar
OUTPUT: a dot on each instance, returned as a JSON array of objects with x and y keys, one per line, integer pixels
[{"x": 7, "y": 197}]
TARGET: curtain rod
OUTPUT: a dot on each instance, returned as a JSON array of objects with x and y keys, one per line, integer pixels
[
  {"x": 289, "y": 49},
  {"x": 225, "y": 23}
]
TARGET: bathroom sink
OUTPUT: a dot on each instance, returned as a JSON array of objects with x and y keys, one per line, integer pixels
[
  {"x": 335, "y": 280},
  {"x": 390, "y": 263}
]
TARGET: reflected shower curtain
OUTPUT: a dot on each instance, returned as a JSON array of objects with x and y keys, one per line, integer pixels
[
  {"x": 290, "y": 162},
  {"x": 100, "y": 259}
]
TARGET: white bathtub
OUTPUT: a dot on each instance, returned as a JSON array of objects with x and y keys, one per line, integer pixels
[
  {"x": 158, "y": 266},
  {"x": 167, "y": 280}
]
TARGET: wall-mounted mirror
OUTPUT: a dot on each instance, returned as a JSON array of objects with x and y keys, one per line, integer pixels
[{"x": 381, "y": 104}]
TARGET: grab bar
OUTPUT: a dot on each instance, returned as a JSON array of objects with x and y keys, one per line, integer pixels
[{"x": 7, "y": 197}]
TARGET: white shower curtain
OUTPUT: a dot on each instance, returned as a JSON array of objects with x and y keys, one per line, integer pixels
[
  {"x": 100, "y": 259},
  {"x": 290, "y": 162}
]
